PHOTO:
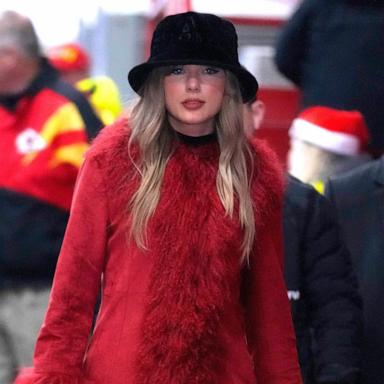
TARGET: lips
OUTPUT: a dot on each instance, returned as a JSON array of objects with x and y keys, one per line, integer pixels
[{"x": 193, "y": 104}]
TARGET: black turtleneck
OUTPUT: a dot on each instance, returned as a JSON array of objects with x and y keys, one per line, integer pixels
[{"x": 196, "y": 141}]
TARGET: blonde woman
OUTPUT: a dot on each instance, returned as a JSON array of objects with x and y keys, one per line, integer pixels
[{"x": 176, "y": 217}]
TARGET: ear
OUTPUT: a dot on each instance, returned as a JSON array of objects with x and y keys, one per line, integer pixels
[{"x": 258, "y": 113}]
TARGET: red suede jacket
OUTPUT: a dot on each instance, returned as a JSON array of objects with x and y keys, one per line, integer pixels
[{"x": 184, "y": 311}]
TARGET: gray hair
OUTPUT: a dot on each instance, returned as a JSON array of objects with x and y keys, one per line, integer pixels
[{"x": 17, "y": 31}]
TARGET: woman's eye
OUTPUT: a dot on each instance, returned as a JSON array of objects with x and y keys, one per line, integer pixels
[
  {"x": 211, "y": 70},
  {"x": 177, "y": 70}
]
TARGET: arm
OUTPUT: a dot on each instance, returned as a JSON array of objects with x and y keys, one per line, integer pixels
[
  {"x": 292, "y": 42},
  {"x": 270, "y": 331},
  {"x": 63, "y": 338},
  {"x": 332, "y": 293}
]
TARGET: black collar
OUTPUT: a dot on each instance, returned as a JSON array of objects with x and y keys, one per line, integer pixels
[{"x": 196, "y": 141}]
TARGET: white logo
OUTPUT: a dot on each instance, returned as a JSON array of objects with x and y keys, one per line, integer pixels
[
  {"x": 29, "y": 141},
  {"x": 293, "y": 295}
]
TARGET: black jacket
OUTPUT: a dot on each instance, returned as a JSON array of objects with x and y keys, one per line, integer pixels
[
  {"x": 334, "y": 51},
  {"x": 322, "y": 288},
  {"x": 358, "y": 199}
]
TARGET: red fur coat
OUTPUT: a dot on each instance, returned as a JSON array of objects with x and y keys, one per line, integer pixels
[{"x": 184, "y": 311}]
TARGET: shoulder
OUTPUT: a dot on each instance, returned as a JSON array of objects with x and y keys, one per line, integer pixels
[
  {"x": 307, "y": 9},
  {"x": 267, "y": 185},
  {"x": 356, "y": 189},
  {"x": 298, "y": 194},
  {"x": 305, "y": 204},
  {"x": 110, "y": 149},
  {"x": 112, "y": 139},
  {"x": 69, "y": 93},
  {"x": 360, "y": 177}
]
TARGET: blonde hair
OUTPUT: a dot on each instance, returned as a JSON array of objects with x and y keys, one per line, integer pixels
[{"x": 153, "y": 135}]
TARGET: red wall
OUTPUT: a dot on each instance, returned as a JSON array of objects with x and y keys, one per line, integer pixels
[{"x": 281, "y": 108}]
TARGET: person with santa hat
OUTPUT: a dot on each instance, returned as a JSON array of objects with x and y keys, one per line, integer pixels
[
  {"x": 325, "y": 142},
  {"x": 321, "y": 284}
]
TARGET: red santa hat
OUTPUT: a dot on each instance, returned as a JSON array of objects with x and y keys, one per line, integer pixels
[
  {"x": 69, "y": 57},
  {"x": 337, "y": 131}
]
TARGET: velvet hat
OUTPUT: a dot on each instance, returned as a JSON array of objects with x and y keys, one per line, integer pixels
[{"x": 195, "y": 38}]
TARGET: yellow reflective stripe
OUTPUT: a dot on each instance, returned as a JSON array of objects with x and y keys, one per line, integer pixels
[
  {"x": 66, "y": 119},
  {"x": 70, "y": 154},
  {"x": 104, "y": 97},
  {"x": 319, "y": 186}
]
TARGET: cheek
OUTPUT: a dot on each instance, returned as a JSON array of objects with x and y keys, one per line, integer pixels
[
  {"x": 217, "y": 102},
  {"x": 167, "y": 88},
  {"x": 216, "y": 93},
  {"x": 172, "y": 86},
  {"x": 170, "y": 93}
]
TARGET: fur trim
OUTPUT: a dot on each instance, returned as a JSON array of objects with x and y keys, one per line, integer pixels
[
  {"x": 268, "y": 184},
  {"x": 195, "y": 251},
  {"x": 110, "y": 150},
  {"x": 112, "y": 143}
]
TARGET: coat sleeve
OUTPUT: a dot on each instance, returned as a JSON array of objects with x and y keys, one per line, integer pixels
[
  {"x": 64, "y": 335},
  {"x": 292, "y": 42},
  {"x": 336, "y": 307},
  {"x": 269, "y": 324},
  {"x": 331, "y": 293}
]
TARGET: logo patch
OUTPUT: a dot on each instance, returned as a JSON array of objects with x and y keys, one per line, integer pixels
[
  {"x": 29, "y": 141},
  {"x": 293, "y": 295}
]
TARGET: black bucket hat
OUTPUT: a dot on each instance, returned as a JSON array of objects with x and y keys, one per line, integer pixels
[{"x": 195, "y": 38}]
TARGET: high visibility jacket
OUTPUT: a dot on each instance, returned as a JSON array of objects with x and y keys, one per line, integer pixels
[
  {"x": 44, "y": 136},
  {"x": 104, "y": 96}
]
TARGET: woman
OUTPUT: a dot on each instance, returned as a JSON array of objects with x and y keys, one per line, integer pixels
[{"x": 178, "y": 219}]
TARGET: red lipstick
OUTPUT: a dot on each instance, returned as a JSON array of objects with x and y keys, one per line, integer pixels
[{"x": 193, "y": 104}]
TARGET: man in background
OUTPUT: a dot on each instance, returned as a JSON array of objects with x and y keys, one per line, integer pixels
[
  {"x": 74, "y": 64},
  {"x": 333, "y": 52},
  {"x": 45, "y": 128},
  {"x": 321, "y": 284},
  {"x": 357, "y": 198}
]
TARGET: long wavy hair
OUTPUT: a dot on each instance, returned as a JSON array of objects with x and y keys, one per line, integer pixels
[{"x": 153, "y": 135}]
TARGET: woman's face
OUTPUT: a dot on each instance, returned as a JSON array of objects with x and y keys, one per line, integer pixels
[{"x": 193, "y": 97}]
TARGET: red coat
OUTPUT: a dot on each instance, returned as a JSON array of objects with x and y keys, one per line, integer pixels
[{"x": 184, "y": 311}]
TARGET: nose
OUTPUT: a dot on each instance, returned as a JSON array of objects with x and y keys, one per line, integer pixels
[{"x": 193, "y": 81}]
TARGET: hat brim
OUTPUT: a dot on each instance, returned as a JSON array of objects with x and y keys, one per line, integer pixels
[{"x": 248, "y": 83}]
